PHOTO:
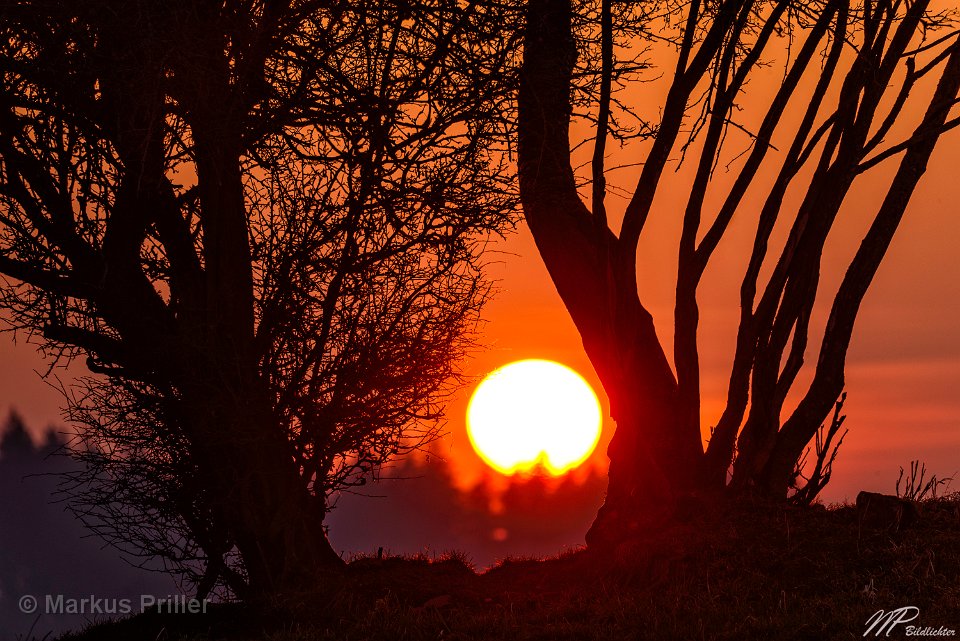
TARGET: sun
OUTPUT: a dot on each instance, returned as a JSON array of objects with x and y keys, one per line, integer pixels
[{"x": 534, "y": 412}]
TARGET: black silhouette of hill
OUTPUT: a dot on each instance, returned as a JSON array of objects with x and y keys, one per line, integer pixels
[{"x": 741, "y": 572}]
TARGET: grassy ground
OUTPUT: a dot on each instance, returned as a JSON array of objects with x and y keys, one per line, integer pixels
[{"x": 764, "y": 572}]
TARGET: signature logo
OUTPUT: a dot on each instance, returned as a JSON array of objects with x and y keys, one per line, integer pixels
[{"x": 884, "y": 622}]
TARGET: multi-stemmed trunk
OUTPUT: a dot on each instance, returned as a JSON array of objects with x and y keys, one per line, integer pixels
[{"x": 657, "y": 455}]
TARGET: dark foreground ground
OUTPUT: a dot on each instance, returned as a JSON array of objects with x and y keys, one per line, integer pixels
[{"x": 765, "y": 573}]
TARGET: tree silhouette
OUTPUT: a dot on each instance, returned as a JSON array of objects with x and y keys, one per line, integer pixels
[
  {"x": 260, "y": 224},
  {"x": 839, "y": 113}
]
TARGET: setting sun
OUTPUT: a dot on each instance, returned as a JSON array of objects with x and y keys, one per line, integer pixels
[{"x": 534, "y": 412}]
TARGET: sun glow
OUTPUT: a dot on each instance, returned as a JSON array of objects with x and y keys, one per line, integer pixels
[{"x": 534, "y": 412}]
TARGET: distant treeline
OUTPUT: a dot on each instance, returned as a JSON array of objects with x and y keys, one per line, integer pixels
[{"x": 417, "y": 507}]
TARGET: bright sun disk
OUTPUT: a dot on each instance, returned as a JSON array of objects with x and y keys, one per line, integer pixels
[{"x": 534, "y": 412}]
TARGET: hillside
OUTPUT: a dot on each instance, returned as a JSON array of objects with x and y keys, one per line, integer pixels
[{"x": 757, "y": 572}]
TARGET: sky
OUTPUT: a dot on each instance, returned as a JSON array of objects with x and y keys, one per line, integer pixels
[{"x": 903, "y": 369}]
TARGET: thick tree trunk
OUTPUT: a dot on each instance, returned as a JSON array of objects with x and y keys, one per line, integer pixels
[
  {"x": 255, "y": 490},
  {"x": 643, "y": 483},
  {"x": 248, "y": 478},
  {"x": 275, "y": 522},
  {"x": 278, "y": 524},
  {"x": 654, "y": 457}
]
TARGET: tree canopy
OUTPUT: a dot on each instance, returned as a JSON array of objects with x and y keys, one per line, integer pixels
[
  {"x": 260, "y": 225},
  {"x": 853, "y": 73}
]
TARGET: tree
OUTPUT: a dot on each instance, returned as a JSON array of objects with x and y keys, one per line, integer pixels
[
  {"x": 260, "y": 224},
  {"x": 849, "y": 70}
]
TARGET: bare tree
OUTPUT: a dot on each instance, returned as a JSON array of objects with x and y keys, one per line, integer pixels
[
  {"x": 260, "y": 224},
  {"x": 849, "y": 70}
]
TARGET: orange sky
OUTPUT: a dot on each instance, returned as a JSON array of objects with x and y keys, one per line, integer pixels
[
  {"x": 903, "y": 368},
  {"x": 903, "y": 371},
  {"x": 904, "y": 365}
]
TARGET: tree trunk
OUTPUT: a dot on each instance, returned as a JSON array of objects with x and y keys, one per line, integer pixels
[
  {"x": 654, "y": 457},
  {"x": 643, "y": 485},
  {"x": 274, "y": 520},
  {"x": 257, "y": 493}
]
